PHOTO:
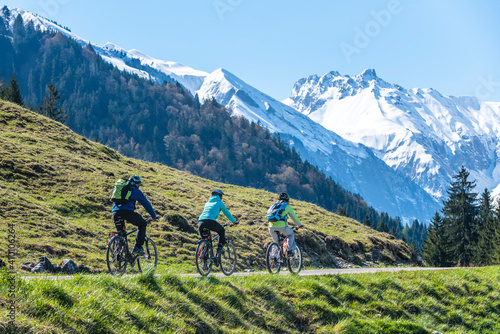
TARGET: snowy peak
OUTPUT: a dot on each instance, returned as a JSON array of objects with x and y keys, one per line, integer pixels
[{"x": 420, "y": 133}]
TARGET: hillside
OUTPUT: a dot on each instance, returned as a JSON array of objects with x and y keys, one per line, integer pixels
[{"x": 55, "y": 186}]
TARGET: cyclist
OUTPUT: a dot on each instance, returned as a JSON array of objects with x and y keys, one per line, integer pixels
[
  {"x": 277, "y": 217},
  {"x": 208, "y": 218},
  {"x": 126, "y": 212}
]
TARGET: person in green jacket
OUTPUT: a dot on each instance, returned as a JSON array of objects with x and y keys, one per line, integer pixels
[
  {"x": 277, "y": 217},
  {"x": 208, "y": 219}
]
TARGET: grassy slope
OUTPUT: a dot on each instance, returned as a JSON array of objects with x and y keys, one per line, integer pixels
[
  {"x": 456, "y": 301},
  {"x": 54, "y": 185}
]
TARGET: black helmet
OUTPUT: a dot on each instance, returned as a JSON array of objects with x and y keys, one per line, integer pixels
[
  {"x": 284, "y": 197},
  {"x": 135, "y": 180},
  {"x": 217, "y": 192}
]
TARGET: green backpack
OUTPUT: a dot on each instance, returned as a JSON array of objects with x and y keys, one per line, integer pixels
[{"x": 121, "y": 192}]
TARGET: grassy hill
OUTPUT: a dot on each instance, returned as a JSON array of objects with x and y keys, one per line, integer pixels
[{"x": 55, "y": 187}]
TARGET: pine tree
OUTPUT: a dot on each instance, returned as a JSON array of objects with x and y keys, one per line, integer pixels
[
  {"x": 3, "y": 27},
  {"x": 6, "y": 13},
  {"x": 436, "y": 248},
  {"x": 13, "y": 93},
  {"x": 18, "y": 30},
  {"x": 459, "y": 217},
  {"x": 496, "y": 211},
  {"x": 486, "y": 232},
  {"x": 51, "y": 106}
]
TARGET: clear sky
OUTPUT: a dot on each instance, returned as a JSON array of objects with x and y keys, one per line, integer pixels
[{"x": 449, "y": 45}]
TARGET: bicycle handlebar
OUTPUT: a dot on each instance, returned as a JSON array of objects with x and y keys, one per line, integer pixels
[{"x": 231, "y": 224}]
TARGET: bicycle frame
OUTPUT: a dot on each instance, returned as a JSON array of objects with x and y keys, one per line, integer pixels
[{"x": 129, "y": 256}]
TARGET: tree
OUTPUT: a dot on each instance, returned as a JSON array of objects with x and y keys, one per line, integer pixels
[
  {"x": 436, "y": 248},
  {"x": 13, "y": 93},
  {"x": 459, "y": 217},
  {"x": 486, "y": 247},
  {"x": 51, "y": 106},
  {"x": 6, "y": 13},
  {"x": 3, "y": 28},
  {"x": 18, "y": 30}
]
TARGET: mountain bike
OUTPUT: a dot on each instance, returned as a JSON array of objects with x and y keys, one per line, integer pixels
[
  {"x": 119, "y": 255},
  {"x": 206, "y": 256},
  {"x": 277, "y": 255}
]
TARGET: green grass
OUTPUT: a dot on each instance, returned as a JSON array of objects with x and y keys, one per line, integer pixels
[
  {"x": 454, "y": 301},
  {"x": 55, "y": 185}
]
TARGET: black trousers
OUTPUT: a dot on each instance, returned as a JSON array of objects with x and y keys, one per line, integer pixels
[
  {"x": 134, "y": 219},
  {"x": 212, "y": 225}
]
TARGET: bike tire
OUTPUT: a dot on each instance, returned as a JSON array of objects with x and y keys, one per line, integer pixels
[
  {"x": 228, "y": 259},
  {"x": 116, "y": 258},
  {"x": 295, "y": 262},
  {"x": 203, "y": 258},
  {"x": 149, "y": 261},
  {"x": 273, "y": 258}
]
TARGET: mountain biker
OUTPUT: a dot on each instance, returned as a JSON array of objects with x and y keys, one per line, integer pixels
[
  {"x": 277, "y": 217},
  {"x": 126, "y": 212},
  {"x": 208, "y": 218}
]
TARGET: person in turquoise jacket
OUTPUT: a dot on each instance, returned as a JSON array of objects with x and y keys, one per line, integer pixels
[
  {"x": 277, "y": 217},
  {"x": 208, "y": 219}
]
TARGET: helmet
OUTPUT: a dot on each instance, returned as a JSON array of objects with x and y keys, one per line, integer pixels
[
  {"x": 284, "y": 197},
  {"x": 217, "y": 192},
  {"x": 135, "y": 180}
]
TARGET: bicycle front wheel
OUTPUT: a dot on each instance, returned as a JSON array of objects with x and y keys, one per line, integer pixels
[
  {"x": 295, "y": 261},
  {"x": 228, "y": 259},
  {"x": 203, "y": 258},
  {"x": 149, "y": 261},
  {"x": 116, "y": 257},
  {"x": 273, "y": 258}
]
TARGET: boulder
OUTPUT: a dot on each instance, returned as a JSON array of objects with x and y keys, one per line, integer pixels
[
  {"x": 47, "y": 266},
  {"x": 28, "y": 266},
  {"x": 2, "y": 263},
  {"x": 68, "y": 266},
  {"x": 38, "y": 268},
  {"x": 82, "y": 269}
]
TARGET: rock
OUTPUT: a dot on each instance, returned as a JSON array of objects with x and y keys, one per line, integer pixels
[
  {"x": 82, "y": 269},
  {"x": 39, "y": 268},
  {"x": 68, "y": 266},
  {"x": 2, "y": 263},
  {"x": 28, "y": 266},
  {"x": 47, "y": 266}
]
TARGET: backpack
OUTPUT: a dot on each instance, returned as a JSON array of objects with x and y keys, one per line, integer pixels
[
  {"x": 276, "y": 210},
  {"x": 121, "y": 192}
]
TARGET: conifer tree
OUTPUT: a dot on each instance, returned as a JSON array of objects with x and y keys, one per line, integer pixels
[
  {"x": 436, "y": 248},
  {"x": 18, "y": 31},
  {"x": 13, "y": 93},
  {"x": 459, "y": 218},
  {"x": 51, "y": 106},
  {"x": 3, "y": 27}
]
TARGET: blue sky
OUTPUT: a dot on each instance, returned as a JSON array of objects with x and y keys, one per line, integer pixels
[{"x": 452, "y": 46}]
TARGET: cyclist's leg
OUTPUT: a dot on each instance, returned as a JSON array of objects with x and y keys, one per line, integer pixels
[
  {"x": 212, "y": 225},
  {"x": 136, "y": 219},
  {"x": 272, "y": 231},
  {"x": 291, "y": 238},
  {"x": 118, "y": 220}
]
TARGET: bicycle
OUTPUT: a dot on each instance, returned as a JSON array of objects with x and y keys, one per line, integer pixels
[
  {"x": 277, "y": 255},
  {"x": 118, "y": 254},
  {"x": 206, "y": 257}
]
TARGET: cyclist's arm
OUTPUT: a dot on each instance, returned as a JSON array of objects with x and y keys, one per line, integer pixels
[
  {"x": 227, "y": 213},
  {"x": 139, "y": 196},
  {"x": 289, "y": 210}
]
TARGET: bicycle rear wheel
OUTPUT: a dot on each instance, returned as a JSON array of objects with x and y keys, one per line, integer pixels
[
  {"x": 228, "y": 259},
  {"x": 149, "y": 261},
  {"x": 295, "y": 262},
  {"x": 203, "y": 258},
  {"x": 116, "y": 258},
  {"x": 273, "y": 258}
]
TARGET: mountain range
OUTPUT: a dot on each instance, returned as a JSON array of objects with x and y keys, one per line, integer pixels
[{"x": 398, "y": 148}]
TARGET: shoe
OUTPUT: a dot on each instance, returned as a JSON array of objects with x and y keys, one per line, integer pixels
[
  {"x": 138, "y": 251},
  {"x": 220, "y": 250}
]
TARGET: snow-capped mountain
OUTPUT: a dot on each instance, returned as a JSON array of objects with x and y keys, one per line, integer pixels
[
  {"x": 133, "y": 61},
  {"x": 420, "y": 133},
  {"x": 352, "y": 165}
]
